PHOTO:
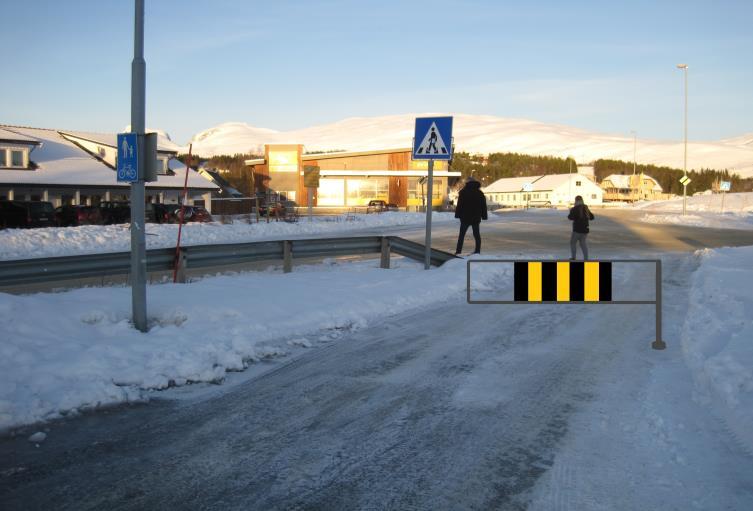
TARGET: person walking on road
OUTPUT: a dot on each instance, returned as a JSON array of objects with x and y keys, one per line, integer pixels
[
  {"x": 471, "y": 209},
  {"x": 580, "y": 215}
]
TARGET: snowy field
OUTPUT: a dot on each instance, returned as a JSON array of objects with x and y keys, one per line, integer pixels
[{"x": 702, "y": 211}]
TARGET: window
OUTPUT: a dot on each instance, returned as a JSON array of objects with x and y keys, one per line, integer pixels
[
  {"x": 16, "y": 158},
  {"x": 3, "y": 158},
  {"x": 577, "y": 183},
  {"x": 593, "y": 195}
]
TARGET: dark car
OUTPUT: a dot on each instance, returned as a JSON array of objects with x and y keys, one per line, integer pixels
[
  {"x": 67, "y": 216},
  {"x": 26, "y": 214},
  {"x": 379, "y": 206},
  {"x": 195, "y": 214},
  {"x": 115, "y": 212}
]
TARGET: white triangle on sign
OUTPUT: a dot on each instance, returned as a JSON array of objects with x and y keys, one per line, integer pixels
[{"x": 432, "y": 142}]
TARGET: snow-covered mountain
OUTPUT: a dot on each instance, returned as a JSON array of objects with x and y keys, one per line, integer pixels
[{"x": 482, "y": 134}]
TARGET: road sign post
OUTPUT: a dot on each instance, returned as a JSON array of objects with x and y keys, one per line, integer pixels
[
  {"x": 311, "y": 182},
  {"x": 724, "y": 187},
  {"x": 432, "y": 141},
  {"x": 138, "y": 127}
]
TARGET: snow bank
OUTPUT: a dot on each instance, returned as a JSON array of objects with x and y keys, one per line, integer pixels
[
  {"x": 68, "y": 351},
  {"x": 702, "y": 211},
  {"x": 90, "y": 239},
  {"x": 718, "y": 336}
]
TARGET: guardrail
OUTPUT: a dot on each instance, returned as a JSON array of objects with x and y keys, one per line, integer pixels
[{"x": 53, "y": 269}]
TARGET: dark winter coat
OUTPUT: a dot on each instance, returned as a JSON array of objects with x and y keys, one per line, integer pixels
[
  {"x": 580, "y": 215},
  {"x": 471, "y": 208}
]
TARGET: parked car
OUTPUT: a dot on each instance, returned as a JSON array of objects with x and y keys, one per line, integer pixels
[
  {"x": 379, "y": 206},
  {"x": 170, "y": 213},
  {"x": 115, "y": 212},
  {"x": 66, "y": 216},
  {"x": 26, "y": 214},
  {"x": 195, "y": 214}
]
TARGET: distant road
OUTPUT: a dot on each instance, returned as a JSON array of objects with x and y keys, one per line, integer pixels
[{"x": 613, "y": 233}]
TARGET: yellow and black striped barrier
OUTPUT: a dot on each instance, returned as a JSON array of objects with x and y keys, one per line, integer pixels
[
  {"x": 573, "y": 282},
  {"x": 563, "y": 281}
]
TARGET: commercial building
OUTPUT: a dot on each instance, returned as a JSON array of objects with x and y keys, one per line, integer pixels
[
  {"x": 67, "y": 167},
  {"x": 351, "y": 178},
  {"x": 548, "y": 190}
]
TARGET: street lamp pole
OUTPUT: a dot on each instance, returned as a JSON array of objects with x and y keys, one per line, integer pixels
[
  {"x": 635, "y": 142},
  {"x": 684, "y": 68}
]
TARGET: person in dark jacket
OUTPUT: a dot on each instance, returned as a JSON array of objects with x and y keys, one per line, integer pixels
[
  {"x": 580, "y": 215},
  {"x": 471, "y": 209}
]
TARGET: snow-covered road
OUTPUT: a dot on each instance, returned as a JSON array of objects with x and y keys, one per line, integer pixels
[
  {"x": 453, "y": 406},
  {"x": 383, "y": 389}
]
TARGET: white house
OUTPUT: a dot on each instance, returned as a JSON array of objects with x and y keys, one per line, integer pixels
[
  {"x": 66, "y": 167},
  {"x": 548, "y": 190}
]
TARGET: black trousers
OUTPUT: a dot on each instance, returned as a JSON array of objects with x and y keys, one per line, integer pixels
[{"x": 476, "y": 236}]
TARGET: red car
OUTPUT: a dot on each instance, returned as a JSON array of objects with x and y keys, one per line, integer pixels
[{"x": 194, "y": 214}]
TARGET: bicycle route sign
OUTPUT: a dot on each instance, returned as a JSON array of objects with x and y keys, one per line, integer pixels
[{"x": 128, "y": 158}]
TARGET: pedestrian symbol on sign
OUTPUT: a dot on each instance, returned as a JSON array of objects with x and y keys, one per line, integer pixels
[{"x": 432, "y": 142}]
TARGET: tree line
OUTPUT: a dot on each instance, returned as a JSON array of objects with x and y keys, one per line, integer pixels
[{"x": 233, "y": 166}]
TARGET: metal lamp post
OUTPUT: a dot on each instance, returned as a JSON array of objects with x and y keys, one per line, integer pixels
[
  {"x": 635, "y": 143},
  {"x": 684, "y": 68}
]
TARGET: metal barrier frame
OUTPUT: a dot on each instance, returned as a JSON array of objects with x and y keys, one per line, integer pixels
[{"x": 658, "y": 344}]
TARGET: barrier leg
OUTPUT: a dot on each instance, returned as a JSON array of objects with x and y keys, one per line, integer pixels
[{"x": 658, "y": 344}]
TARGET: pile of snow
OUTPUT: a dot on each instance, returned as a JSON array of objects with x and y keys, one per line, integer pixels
[
  {"x": 702, "y": 211},
  {"x": 718, "y": 334},
  {"x": 480, "y": 134},
  {"x": 69, "y": 351},
  {"x": 91, "y": 239}
]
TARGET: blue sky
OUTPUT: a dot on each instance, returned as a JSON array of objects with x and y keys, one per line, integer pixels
[{"x": 603, "y": 66}]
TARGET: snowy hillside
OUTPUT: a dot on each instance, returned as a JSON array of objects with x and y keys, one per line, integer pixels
[{"x": 482, "y": 134}]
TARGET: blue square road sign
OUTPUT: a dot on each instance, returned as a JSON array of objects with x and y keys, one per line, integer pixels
[
  {"x": 433, "y": 138},
  {"x": 128, "y": 158}
]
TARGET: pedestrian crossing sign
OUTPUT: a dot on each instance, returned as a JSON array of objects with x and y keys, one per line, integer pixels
[{"x": 433, "y": 138}]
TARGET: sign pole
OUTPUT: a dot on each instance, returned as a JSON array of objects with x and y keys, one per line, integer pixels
[
  {"x": 310, "y": 203},
  {"x": 429, "y": 192},
  {"x": 138, "y": 126}
]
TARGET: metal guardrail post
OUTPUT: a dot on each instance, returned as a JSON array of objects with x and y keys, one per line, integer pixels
[
  {"x": 180, "y": 267},
  {"x": 659, "y": 343},
  {"x": 385, "y": 261},
  {"x": 287, "y": 256}
]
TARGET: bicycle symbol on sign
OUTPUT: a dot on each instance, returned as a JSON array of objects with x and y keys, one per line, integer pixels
[{"x": 127, "y": 172}]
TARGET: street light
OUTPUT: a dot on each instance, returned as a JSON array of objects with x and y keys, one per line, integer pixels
[
  {"x": 635, "y": 142},
  {"x": 684, "y": 68}
]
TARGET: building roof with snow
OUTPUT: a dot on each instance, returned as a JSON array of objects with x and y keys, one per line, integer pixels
[{"x": 67, "y": 158}]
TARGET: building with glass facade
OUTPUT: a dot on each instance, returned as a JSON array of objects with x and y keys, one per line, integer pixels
[{"x": 352, "y": 178}]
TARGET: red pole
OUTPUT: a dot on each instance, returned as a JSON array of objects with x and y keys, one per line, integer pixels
[{"x": 182, "y": 215}]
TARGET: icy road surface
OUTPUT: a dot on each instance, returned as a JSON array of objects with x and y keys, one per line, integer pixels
[{"x": 458, "y": 407}]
